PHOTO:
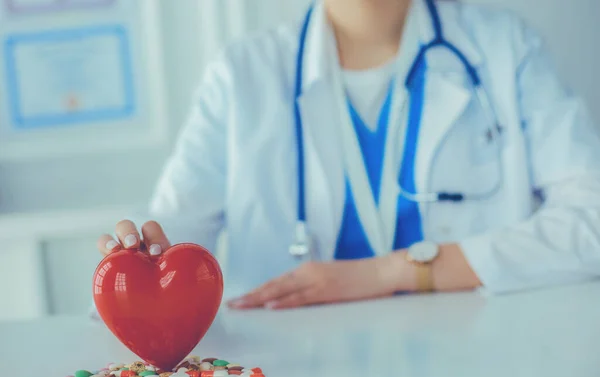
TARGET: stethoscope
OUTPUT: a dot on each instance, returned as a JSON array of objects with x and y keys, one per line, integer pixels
[{"x": 301, "y": 246}]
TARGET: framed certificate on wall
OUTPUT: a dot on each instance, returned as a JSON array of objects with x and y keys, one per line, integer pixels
[
  {"x": 69, "y": 76},
  {"x": 90, "y": 81}
]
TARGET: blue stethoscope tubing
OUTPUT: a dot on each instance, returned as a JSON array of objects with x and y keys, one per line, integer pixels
[{"x": 301, "y": 246}]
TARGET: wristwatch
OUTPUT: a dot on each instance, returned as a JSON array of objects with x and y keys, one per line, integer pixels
[{"x": 422, "y": 254}]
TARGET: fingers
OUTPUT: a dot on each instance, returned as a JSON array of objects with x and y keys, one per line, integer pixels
[
  {"x": 294, "y": 300},
  {"x": 128, "y": 235},
  {"x": 271, "y": 291},
  {"x": 155, "y": 241},
  {"x": 106, "y": 244},
  {"x": 155, "y": 238}
]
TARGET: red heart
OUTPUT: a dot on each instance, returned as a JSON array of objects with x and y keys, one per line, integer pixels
[{"x": 159, "y": 307}]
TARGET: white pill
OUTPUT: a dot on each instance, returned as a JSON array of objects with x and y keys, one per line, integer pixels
[
  {"x": 116, "y": 373},
  {"x": 206, "y": 366},
  {"x": 221, "y": 373},
  {"x": 182, "y": 370},
  {"x": 150, "y": 367}
]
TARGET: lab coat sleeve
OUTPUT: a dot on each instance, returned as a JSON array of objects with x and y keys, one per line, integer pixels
[
  {"x": 560, "y": 243},
  {"x": 190, "y": 195}
]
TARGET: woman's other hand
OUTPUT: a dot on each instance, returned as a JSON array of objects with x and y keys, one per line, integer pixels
[{"x": 320, "y": 283}]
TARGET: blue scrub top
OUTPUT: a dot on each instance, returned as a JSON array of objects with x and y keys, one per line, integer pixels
[{"x": 352, "y": 240}]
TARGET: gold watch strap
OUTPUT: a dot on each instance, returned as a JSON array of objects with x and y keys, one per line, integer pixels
[{"x": 424, "y": 277}]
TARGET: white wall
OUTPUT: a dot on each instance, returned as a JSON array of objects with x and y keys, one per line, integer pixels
[
  {"x": 572, "y": 33},
  {"x": 193, "y": 31}
]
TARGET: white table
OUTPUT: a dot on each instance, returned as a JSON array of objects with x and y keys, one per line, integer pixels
[{"x": 545, "y": 333}]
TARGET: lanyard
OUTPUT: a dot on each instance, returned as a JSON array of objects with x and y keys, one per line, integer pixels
[{"x": 378, "y": 221}]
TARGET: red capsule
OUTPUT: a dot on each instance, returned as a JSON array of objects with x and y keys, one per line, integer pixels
[{"x": 194, "y": 373}]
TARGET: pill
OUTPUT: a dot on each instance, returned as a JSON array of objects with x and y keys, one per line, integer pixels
[
  {"x": 220, "y": 373},
  {"x": 210, "y": 359},
  {"x": 147, "y": 373},
  {"x": 220, "y": 363},
  {"x": 137, "y": 367},
  {"x": 233, "y": 372},
  {"x": 83, "y": 373},
  {"x": 114, "y": 366},
  {"x": 205, "y": 365}
]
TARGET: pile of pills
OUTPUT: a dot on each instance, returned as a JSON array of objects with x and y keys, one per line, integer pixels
[{"x": 192, "y": 366}]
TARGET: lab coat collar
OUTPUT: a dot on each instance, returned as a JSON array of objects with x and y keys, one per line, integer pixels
[{"x": 320, "y": 41}]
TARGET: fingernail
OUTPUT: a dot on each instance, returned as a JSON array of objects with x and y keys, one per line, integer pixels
[
  {"x": 130, "y": 240},
  {"x": 271, "y": 305},
  {"x": 111, "y": 245},
  {"x": 155, "y": 249}
]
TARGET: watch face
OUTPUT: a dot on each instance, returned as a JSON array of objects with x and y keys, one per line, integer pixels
[{"x": 424, "y": 252}]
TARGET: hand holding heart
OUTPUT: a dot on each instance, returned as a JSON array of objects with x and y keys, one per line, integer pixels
[{"x": 159, "y": 305}]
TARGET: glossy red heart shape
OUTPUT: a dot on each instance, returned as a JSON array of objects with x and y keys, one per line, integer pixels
[{"x": 159, "y": 307}]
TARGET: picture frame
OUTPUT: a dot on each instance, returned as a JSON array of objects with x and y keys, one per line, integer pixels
[{"x": 29, "y": 130}]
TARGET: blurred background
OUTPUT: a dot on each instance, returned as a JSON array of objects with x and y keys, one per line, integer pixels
[{"x": 65, "y": 180}]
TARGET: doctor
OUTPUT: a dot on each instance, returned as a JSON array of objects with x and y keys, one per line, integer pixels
[{"x": 383, "y": 146}]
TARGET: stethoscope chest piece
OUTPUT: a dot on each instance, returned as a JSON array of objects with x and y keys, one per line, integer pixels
[{"x": 302, "y": 246}]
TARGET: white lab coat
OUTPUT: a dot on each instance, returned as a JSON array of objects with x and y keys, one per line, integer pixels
[{"x": 234, "y": 166}]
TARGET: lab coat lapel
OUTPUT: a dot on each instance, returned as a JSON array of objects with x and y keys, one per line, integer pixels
[
  {"x": 444, "y": 103},
  {"x": 324, "y": 169},
  {"x": 448, "y": 89}
]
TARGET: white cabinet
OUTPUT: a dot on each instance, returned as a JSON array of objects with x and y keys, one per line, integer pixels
[
  {"x": 22, "y": 280},
  {"x": 47, "y": 261}
]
